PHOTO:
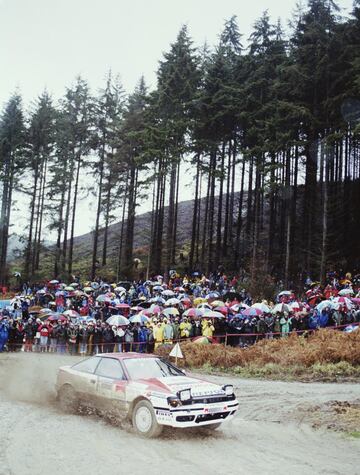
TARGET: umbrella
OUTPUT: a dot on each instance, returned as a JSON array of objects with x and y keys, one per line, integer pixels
[
  {"x": 59, "y": 292},
  {"x": 88, "y": 289},
  {"x": 212, "y": 314},
  {"x": 155, "y": 309},
  {"x": 94, "y": 285},
  {"x": 45, "y": 310},
  {"x": 199, "y": 300},
  {"x": 295, "y": 306},
  {"x": 204, "y": 306},
  {"x": 356, "y": 301},
  {"x": 138, "y": 318},
  {"x": 217, "y": 303},
  {"x": 252, "y": 312},
  {"x": 262, "y": 306},
  {"x": 120, "y": 290},
  {"x": 71, "y": 313},
  {"x": 346, "y": 292},
  {"x": 223, "y": 310},
  {"x": 53, "y": 282},
  {"x": 103, "y": 298},
  {"x": 158, "y": 288},
  {"x": 171, "y": 302},
  {"x": 285, "y": 292},
  {"x": 69, "y": 288},
  {"x": 325, "y": 303},
  {"x": 202, "y": 340},
  {"x": 239, "y": 306},
  {"x": 351, "y": 328},
  {"x": 281, "y": 307},
  {"x": 213, "y": 295},
  {"x": 56, "y": 317},
  {"x": 136, "y": 309},
  {"x": 122, "y": 305},
  {"x": 343, "y": 301},
  {"x": 180, "y": 289},
  {"x": 170, "y": 311},
  {"x": 74, "y": 284},
  {"x": 192, "y": 312},
  {"x": 168, "y": 293},
  {"x": 117, "y": 320}
]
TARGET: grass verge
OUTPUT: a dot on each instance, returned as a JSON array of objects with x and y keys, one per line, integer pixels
[{"x": 324, "y": 356}]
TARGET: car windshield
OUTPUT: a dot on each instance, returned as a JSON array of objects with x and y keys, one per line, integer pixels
[{"x": 144, "y": 368}]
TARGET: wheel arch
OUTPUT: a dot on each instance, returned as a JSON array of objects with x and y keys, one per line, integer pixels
[{"x": 133, "y": 404}]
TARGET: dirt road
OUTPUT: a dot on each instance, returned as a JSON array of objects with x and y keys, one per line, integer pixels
[{"x": 266, "y": 437}]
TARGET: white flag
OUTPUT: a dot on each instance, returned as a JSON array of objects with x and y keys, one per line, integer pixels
[{"x": 176, "y": 352}]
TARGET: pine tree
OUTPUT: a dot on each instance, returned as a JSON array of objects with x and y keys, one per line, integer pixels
[{"x": 12, "y": 142}]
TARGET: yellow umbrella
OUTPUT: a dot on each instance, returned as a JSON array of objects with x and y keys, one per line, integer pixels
[
  {"x": 199, "y": 300},
  {"x": 218, "y": 303}
]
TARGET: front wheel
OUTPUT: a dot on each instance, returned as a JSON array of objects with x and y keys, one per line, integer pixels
[{"x": 144, "y": 420}]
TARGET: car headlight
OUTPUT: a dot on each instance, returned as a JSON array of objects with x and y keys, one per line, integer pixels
[
  {"x": 229, "y": 389},
  {"x": 173, "y": 401},
  {"x": 184, "y": 395}
]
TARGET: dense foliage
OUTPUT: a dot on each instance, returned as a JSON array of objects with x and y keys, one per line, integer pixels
[{"x": 269, "y": 132}]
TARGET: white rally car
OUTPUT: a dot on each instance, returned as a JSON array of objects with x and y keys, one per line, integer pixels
[{"x": 148, "y": 390}]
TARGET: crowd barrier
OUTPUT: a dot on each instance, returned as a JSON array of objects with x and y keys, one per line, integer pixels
[{"x": 75, "y": 348}]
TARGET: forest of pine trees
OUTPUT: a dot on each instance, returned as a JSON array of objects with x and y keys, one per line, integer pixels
[{"x": 268, "y": 127}]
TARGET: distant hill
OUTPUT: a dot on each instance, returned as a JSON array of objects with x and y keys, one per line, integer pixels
[{"x": 83, "y": 244}]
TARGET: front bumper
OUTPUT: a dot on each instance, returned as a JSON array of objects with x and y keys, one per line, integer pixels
[{"x": 196, "y": 415}]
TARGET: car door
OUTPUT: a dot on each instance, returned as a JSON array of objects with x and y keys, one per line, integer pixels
[
  {"x": 84, "y": 379},
  {"x": 111, "y": 385}
]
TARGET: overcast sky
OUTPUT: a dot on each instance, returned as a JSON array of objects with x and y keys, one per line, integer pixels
[{"x": 47, "y": 43}]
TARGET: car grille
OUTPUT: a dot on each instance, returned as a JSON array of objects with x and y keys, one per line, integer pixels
[{"x": 209, "y": 400}]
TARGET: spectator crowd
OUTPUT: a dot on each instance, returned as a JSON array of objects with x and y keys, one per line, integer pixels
[{"x": 99, "y": 317}]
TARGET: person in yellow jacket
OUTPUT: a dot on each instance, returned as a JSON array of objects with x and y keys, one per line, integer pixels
[
  {"x": 185, "y": 328},
  {"x": 208, "y": 328},
  {"x": 158, "y": 332}
]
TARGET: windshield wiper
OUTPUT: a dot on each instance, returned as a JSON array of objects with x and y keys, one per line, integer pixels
[{"x": 161, "y": 369}]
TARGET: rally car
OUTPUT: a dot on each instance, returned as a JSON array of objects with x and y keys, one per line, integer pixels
[{"x": 148, "y": 390}]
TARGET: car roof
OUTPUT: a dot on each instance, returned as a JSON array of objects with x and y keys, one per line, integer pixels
[{"x": 122, "y": 356}]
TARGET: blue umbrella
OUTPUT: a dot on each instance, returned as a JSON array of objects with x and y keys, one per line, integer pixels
[{"x": 138, "y": 319}]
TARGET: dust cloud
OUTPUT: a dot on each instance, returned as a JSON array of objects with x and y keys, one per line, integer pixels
[{"x": 30, "y": 377}]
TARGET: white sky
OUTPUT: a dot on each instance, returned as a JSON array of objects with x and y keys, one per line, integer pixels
[{"x": 47, "y": 43}]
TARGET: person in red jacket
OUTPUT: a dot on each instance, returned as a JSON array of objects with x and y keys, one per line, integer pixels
[{"x": 44, "y": 337}]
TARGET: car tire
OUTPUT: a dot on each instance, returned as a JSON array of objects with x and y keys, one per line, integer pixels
[
  {"x": 144, "y": 420},
  {"x": 67, "y": 398}
]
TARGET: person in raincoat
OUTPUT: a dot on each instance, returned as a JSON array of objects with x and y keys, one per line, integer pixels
[
  {"x": 185, "y": 328},
  {"x": 4, "y": 334},
  {"x": 285, "y": 325},
  {"x": 176, "y": 329},
  {"x": 168, "y": 332},
  {"x": 208, "y": 328},
  {"x": 158, "y": 334}
]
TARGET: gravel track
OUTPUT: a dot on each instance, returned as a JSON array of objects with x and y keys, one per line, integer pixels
[{"x": 265, "y": 437}]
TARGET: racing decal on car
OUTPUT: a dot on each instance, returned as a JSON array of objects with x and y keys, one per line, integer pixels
[{"x": 163, "y": 415}]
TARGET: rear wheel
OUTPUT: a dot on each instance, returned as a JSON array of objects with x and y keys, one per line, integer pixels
[
  {"x": 67, "y": 399},
  {"x": 144, "y": 420}
]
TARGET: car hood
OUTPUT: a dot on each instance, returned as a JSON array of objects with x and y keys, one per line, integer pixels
[{"x": 173, "y": 384}]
